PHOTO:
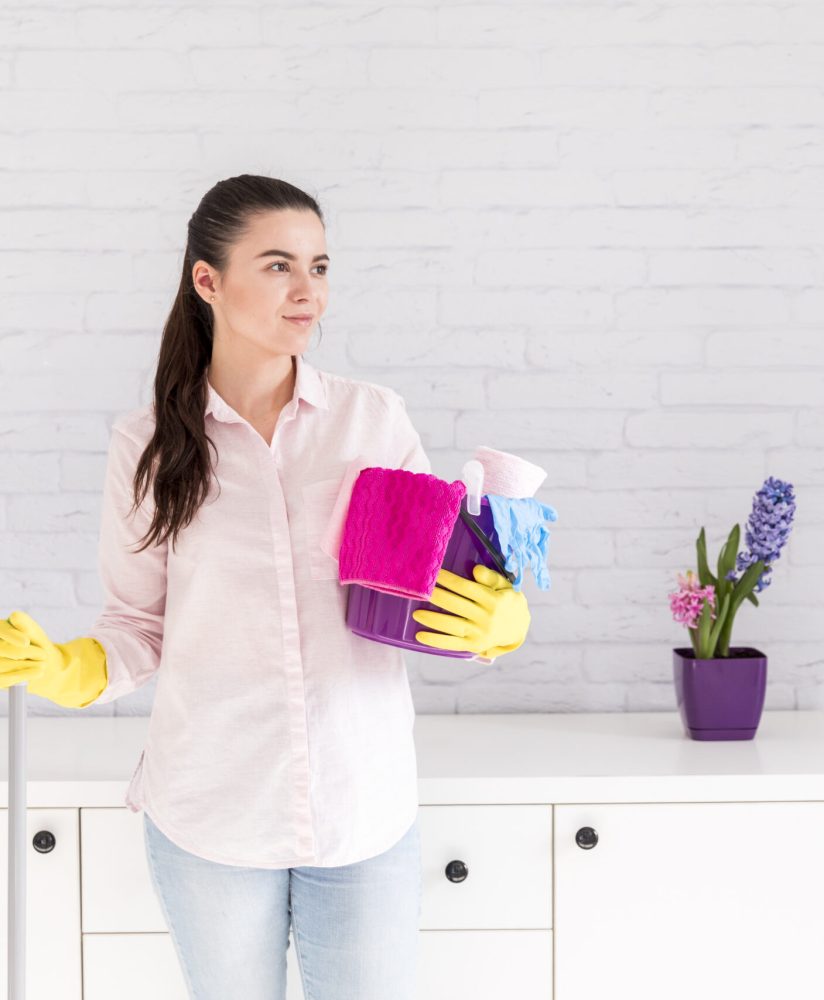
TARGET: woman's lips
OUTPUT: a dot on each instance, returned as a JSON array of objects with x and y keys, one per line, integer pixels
[{"x": 302, "y": 322}]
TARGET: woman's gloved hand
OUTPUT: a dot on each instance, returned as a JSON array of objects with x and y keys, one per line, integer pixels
[
  {"x": 71, "y": 674},
  {"x": 488, "y": 616}
]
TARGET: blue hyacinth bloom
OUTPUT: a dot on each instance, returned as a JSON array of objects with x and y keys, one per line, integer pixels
[{"x": 768, "y": 529}]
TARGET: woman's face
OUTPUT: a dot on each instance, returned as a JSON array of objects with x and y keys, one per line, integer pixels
[{"x": 278, "y": 269}]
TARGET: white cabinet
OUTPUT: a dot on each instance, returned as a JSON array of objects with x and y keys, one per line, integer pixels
[
  {"x": 564, "y": 858},
  {"x": 689, "y": 900},
  {"x": 487, "y": 928},
  {"x": 53, "y": 905},
  {"x": 127, "y": 950},
  {"x": 488, "y": 935}
]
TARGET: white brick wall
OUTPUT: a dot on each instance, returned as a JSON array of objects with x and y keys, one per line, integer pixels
[{"x": 588, "y": 233}]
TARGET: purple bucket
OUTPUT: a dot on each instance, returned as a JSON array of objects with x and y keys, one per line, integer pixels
[
  {"x": 720, "y": 698},
  {"x": 388, "y": 618}
]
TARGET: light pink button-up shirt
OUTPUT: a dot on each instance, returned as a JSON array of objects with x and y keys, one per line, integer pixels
[{"x": 277, "y": 737}]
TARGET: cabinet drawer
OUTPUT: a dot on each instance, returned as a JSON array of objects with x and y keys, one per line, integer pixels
[
  {"x": 507, "y": 851},
  {"x": 52, "y": 953},
  {"x": 137, "y": 966},
  {"x": 116, "y": 886},
  {"x": 483, "y": 965},
  {"x": 131, "y": 967}
]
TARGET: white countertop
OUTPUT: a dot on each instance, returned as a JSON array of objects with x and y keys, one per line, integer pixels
[{"x": 487, "y": 758}]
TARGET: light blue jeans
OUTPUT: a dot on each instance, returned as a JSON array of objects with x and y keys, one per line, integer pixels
[{"x": 355, "y": 927}]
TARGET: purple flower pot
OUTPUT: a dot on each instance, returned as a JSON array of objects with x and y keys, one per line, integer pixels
[{"x": 721, "y": 698}]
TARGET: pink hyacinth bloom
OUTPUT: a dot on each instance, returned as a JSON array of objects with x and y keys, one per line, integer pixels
[{"x": 687, "y": 602}]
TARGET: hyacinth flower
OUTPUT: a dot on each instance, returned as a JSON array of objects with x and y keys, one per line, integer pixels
[
  {"x": 707, "y": 605},
  {"x": 768, "y": 528},
  {"x": 694, "y": 607}
]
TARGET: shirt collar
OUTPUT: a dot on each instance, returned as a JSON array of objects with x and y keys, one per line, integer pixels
[{"x": 308, "y": 385}]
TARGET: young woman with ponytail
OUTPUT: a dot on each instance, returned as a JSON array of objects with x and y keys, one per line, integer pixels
[{"x": 278, "y": 780}]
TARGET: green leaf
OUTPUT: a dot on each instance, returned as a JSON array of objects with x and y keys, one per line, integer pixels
[
  {"x": 752, "y": 599},
  {"x": 726, "y": 559},
  {"x": 746, "y": 584},
  {"x": 703, "y": 631},
  {"x": 741, "y": 591},
  {"x": 694, "y": 640},
  {"x": 719, "y": 624},
  {"x": 704, "y": 575}
]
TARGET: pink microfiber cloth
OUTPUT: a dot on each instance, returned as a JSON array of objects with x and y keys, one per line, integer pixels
[{"x": 397, "y": 529}]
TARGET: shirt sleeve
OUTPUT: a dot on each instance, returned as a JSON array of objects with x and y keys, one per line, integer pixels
[{"x": 130, "y": 627}]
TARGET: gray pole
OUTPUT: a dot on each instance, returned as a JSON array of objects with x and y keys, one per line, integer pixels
[{"x": 17, "y": 842}]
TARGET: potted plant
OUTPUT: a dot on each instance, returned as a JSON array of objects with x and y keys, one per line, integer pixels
[{"x": 720, "y": 689}]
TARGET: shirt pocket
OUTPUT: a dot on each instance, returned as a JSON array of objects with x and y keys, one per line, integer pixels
[{"x": 318, "y": 503}]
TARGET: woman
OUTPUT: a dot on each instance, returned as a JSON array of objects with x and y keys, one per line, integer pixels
[{"x": 278, "y": 780}]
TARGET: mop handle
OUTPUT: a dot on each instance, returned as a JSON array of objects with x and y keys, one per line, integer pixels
[{"x": 17, "y": 843}]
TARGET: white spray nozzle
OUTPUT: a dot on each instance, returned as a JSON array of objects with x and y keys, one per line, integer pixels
[{"x": 472, "y": 475}]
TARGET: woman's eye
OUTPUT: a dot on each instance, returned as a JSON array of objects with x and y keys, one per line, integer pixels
[{"x": 279, "y": 263}]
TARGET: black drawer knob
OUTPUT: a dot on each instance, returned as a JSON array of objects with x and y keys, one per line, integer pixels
[
  {"x": 44, "y": 841},
  {"x": 456, "y": 871},
  {"x": 586, "y": 838}
]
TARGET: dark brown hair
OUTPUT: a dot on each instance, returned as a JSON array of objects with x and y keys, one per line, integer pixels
[{"x": 177, "y": 452}]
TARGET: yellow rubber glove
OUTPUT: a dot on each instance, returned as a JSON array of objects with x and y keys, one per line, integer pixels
[
  {"x": 489, "y": 616},
  {"x": 71, "y": 674}
]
